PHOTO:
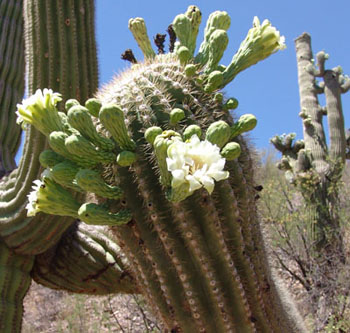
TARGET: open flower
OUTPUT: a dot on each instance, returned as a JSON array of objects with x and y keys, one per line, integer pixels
[
  {"x": 51, "y": 198},
  {"x": 195, "y": 164},
  {"x": 40, "y": 110},
  {"x": 31, "y": 207}
]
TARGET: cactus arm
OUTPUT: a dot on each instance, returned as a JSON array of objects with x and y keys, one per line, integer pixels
[
  {"x": 335, "y": 116},
  {"x": 85, "y": 261},
  {"x": 14, "y": 282},
  {"x": 11, "y": 81},
  {"x": 44, "y": 70},
  {"x": 314, "y": 135}
]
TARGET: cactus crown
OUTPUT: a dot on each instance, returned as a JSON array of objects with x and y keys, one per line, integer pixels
[{"x": 171, "y": 91}]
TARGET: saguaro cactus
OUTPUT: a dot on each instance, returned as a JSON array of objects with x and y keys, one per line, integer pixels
[
  {"x": 50, "y": 29},
  {"x": 177, "y": 183},
  {"x": 311, "y": 164}
]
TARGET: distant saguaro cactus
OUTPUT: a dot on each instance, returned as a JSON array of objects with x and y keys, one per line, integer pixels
[
  {"x": 311, "y": 164},
  {"x": 158, "y": 158}
]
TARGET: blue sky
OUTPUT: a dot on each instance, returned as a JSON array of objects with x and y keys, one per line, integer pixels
[{"x": 269, "y": 89}]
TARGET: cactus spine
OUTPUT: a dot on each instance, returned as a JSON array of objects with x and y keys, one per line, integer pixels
[{"x": 192, "y": 237}]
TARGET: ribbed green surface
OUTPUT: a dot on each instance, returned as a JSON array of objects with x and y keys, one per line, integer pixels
[
  {"x": 14, "y": 282},
  {"x": 56, "y": 59},
  {"x": 11, "y": 80},
  {"x": 85, "y": 261},
  {"x": 201, "y": 263}
]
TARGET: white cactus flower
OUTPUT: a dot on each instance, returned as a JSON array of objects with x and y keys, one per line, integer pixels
[
  {"x": 270, "y": 35},
  {"x": 261, "y": 41},
  {"x": 195, "y": 163},
  {"x": 51, "y": 198},
  {"x": 40, "y": 110},
  {"x": 31, "y": 207}
]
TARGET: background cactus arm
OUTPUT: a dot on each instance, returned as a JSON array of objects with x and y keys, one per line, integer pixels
[
  {"x": 335, "y": 116},
  {"x": 11, "y": 81},
  {"x": 313, "y": 131},
  {"x": 85, "y": 261}
]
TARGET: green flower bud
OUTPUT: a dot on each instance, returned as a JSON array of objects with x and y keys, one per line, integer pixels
[
  {"x": 231, "y": 151},
  {"x": 57, "y": 143},
  {"x": 195, "y": 16},
  {"x": 79, "y": 118},
  {"x": 151, "y": 133},
  {"x": 66, "y": 126},
  {"x": 112, "y": 118},
  {"x": 262, "y": 41},
  {"x": 190, "y": 131},
  {"x": 215, "y": 80},
  {"x": 94, "y": 106},
  {"x": 190, "y": 70},
  {"x": 200, "y": 79},
  {"x": 64, "y": 174},
  {"x": 51, "y": 198},
  {"x": 217, "y": 45},
  {"x": 70, "y": 103},
  {"x": 126, "y": 158},
  {"x": 91, "y": 181},
  {"x": 183, "y": 30},
  {"x": 184, "y": 54},
  {"x": 245, "y": 123},
  {"x": 138, "y": 28},
  {"x": 176, "y": 115},
  {"x": 94, "y": 214},
  {"x": 218, "y": 97},
  {"x": 49, "y": 158},
  {"x": 216, "y": 21},
  {"x": 79, "y": 146},
  {"x": 161, "y": 144},
  {"x": 218, "y": 133},
  {"x": 231, "y": 104}
]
